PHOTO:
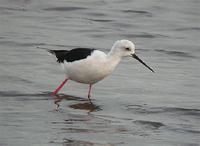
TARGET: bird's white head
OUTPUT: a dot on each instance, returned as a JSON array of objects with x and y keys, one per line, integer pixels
[{"x": 124, "y": 48}]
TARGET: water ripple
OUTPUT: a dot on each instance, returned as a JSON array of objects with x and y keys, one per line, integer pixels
[
  {"x": 64, "y": 9},
  {"x": 100, "y": 20},
  {"x": 144, "y": 35},
  {"x": 12, "y": 9},
  {"x": 19, "y": 94},
  {"x": 161, "y": 110},
  {"x": 149, "y": 124},
  {"x": 96, "y": 14},
  {"x": 188, "y": 29},
  {"x": 72, "y": 142},
  {"x": 24, "y": 44},
  {"x": 175, "y": 53},
  {"x": 146, "y": 13},
  {"x": 7, "y": 78},
  {"x": 184, "y": 130}
]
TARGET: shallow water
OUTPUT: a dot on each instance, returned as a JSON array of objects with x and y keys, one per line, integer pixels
[{"x": 132, "y": 106}]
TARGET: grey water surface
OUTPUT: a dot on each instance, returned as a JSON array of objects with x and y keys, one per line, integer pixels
[{"x": 131, "y": 107}]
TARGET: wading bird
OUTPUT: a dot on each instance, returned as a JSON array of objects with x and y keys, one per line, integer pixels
[{"x": 88, "y": 66}]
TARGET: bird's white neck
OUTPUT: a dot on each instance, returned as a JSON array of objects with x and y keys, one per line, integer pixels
[{"x": 113, "y": 60}]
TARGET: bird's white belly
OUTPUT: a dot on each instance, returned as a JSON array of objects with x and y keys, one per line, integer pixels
[{"x": 87, "y": 71}]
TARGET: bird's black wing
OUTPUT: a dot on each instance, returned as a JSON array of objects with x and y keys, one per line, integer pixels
[{"x": 72, "y": 55}]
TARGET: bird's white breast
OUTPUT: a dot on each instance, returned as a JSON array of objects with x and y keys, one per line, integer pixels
[{"x": 92, "y": 69}]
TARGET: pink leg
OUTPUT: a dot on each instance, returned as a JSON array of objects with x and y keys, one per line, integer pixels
[
  {"x": 89, "y": 95},
  {"x": 59, "y": 87}
]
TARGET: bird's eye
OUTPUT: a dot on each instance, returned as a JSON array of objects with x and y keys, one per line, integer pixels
[{"x": 128, "y": 49}]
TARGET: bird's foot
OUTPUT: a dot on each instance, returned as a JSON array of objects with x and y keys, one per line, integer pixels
[{"x": 90, "y": 99}]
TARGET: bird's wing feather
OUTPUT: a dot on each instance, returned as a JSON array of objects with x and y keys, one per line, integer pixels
[{"x": 72, "y": 55}]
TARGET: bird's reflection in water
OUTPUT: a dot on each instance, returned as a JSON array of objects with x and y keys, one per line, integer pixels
[{"x": 83, "y": 104}]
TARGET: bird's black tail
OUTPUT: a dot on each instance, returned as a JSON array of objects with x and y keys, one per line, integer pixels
[
  {"x": 60, "y": 54},
  {"x": 57, "y": 52},
  {"x": 51, "y": 51}
]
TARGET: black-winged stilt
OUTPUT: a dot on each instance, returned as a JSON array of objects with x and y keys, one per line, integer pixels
[{"x": 88, "y": 66}]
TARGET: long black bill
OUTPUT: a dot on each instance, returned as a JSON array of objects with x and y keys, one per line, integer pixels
[{"x": 137, "y": 58}]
